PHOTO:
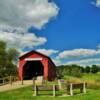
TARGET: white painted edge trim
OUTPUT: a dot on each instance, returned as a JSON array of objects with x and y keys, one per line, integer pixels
[{"x": 32, "y": 59}]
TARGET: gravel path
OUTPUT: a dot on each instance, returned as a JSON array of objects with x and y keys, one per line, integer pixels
[{"x": 15, "y": 85}]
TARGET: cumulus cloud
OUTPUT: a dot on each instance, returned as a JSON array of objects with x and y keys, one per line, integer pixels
[
  {"x": 78, "y": 53},
  {"x": 16, "y": 16},
  {"x": 96, "y": 3},
  {"x": 21, "y": 14},
  {"x": 85, "y": 62},
  {"x": 98, "y": 46},
  {"x": 48, "y": 52},
  {"x": 21, "y": 40},
  {"x": 57, "y": 62}
]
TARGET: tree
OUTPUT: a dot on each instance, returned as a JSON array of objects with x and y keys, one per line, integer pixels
[
  {"x": 94, "y": 69},
  {"x": 11, "y": 69},
  {"x": 76, "y": 71},
  {"x": 72, "y": 70},
  {"x": 7, "y": 60},
  {"x": 2, "y": 54},
  {"x": 12, "y": 54},
  {"x": 87, "y": 69}
]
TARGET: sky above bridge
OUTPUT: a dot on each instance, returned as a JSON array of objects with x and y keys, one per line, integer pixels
[{"x": 66, "y": 30}]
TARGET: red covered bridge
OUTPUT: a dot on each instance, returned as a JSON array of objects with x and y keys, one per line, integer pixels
[{"x": 33, "y": 64}]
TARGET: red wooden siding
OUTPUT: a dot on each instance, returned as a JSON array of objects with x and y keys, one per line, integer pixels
[{"x": 49, "y": 66}]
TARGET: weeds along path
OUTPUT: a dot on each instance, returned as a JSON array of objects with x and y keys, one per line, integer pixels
[{"x": 15, "y": 85}]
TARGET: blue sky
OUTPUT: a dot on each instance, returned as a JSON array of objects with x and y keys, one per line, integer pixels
[
  {"x": 66, "y": 30},
  {"x": 76, "y": 26}
]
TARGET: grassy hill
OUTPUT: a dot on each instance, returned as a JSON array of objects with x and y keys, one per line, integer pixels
[
  {"x": 26, "y": 94},
  {"x": 93, "y": 91}
]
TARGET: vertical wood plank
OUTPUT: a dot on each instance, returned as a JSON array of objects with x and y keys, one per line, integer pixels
[
  {"x": 84, "y": 87},
  {"x": 54, "y": 90},
  {"x": 10, "y": 80},
  {"x": 35, "y": 91},
  {"x": 3, "y": 80},
  {"x": 71, "y": 89}
]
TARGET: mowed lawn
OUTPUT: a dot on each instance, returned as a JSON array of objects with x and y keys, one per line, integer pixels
[
  {"x": 26, "y": 94},
  {"x": 85, "y": 77}
]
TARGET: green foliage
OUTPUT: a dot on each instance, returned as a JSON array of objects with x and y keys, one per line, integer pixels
[
  {"x": 72, "y": 70},
  {"x": 2, "y": 54},
  {"x": 94, "y": 69},
  {"x": 11, "y": 69},
  {"x": 76, "y": 70},
  {"x": 87, "y": 69},
  {"x": 7, "y": 60},
  {"x": 12, "y": 54}
]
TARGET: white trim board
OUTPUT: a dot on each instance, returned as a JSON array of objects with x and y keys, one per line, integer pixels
[{"x": 33, "y": 59}]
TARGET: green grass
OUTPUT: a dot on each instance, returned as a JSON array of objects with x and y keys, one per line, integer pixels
[
  {"x": 91, "y": 76},
  {"x": 26, "y": 94},
  {"x": 85, "y": 77}
]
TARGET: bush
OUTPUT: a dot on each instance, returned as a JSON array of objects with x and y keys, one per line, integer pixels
[
  {"x": 72, "y": 70},
  {"x": 87, "y": 69},
  {"x": 76, "y": 72},
  {"x": 60, "y": 76},
  {"x": 94, "y": 69}
]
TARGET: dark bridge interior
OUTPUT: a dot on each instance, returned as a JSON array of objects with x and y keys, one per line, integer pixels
[{"x": 33, "y": 69}]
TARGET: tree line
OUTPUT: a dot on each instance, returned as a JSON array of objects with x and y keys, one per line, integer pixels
[
  {"x": 76, "y": 70},
  {"x": 8, "y": 58}
]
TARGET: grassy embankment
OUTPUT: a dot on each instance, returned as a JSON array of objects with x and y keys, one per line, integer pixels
[{"x": 26, "y": 93}]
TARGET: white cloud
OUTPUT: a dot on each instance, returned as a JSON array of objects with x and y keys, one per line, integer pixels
[
  {"x": 21, "y": 53},
  {"x": 20, "y": 41},
  {"x": 96, "y": 3},
  {"x": 85, "y": 62},
  {"x": 25, "y": 13},
  {"x": 16, "y": 16},
  {"x": 57, "y": 62},
  {"x": 48, "y": 52},
  {"x": 78, "y": 53},
  {"x": 88, "y": 57},
  {"x": 98, "y": 46}
]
